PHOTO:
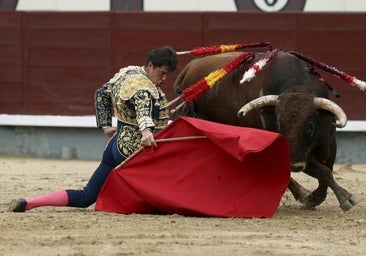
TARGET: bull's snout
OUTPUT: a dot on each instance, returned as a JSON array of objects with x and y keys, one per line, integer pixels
[{"x": 298, "y": 166}]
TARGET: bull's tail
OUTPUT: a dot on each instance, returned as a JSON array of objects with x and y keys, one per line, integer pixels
[{"x": 332, "y": 70}]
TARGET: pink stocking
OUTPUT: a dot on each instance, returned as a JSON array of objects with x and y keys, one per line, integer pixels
[{"x": 57, "y": 198}]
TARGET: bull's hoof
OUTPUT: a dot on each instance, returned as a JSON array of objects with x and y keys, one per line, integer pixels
[
  {"x": 354, "y": 200},
  {"x": 348, "y": 204},
  {"x": 312, "y": 200},
  {"x": 308, "y": 203},
  {"x": 307, "y": 207}
]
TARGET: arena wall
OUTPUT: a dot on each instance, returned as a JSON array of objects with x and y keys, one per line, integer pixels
[{"x": 52, "y": 62}]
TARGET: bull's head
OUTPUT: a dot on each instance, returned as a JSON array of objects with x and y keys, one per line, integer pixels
[
  {"x": 320, "y": 103},
  {"x": 298, "y": 118}
]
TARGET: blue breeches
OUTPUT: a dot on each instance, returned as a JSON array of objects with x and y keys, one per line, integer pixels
[{"x": 88, "y": 195}]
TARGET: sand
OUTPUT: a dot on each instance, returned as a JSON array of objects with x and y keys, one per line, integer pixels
[{"x": 327, "y": 230}]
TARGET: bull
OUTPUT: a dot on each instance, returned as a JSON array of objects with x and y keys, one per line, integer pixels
[{"x": 287, "y": 97}]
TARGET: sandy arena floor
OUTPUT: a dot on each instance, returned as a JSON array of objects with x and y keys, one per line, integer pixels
[{"x": 69, "y": 231}]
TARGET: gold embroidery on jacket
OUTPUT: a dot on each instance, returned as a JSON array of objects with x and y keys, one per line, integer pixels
[
  {"x": 135, "y": 88},
  {"x": 103, "y": 107},
  {"x": 135, "y": 83},
  {"x": 136, "y": 103},
  {"x": 128, "y": 140}
]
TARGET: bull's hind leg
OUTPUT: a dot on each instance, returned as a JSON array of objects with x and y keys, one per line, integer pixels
[
  {"x": 325, "y": 177},
  {"x": 299, "y": 192},
  {"x": 316, "y": 197},
  {"x": 306, "y": 197}
]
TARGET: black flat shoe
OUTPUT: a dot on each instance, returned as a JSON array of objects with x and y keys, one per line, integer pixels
[{"x": 17, "y": 205}]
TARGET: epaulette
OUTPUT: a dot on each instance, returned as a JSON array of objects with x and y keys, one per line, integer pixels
[{"x": 136, "y": 83}]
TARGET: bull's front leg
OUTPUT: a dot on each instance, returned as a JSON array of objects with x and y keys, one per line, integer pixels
[{"x": 325, "y": 178}]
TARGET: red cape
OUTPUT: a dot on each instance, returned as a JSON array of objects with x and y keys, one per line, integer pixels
[{"x": 233, "y": 172}]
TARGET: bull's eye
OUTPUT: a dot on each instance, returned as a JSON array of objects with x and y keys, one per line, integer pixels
[{"x": 310, "y": 129}]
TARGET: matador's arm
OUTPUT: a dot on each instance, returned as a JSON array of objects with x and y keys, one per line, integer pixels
[{"x": 103, "y": 106}]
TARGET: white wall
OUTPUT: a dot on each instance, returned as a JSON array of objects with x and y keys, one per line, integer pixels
[
  {"x": 190, "y": 5},
  {"x": 63, "y": 5},
  {"x": 335, "y": 6}
]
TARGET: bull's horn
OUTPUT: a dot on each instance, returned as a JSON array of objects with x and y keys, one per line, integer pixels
[
  {"x": 332, "y": 107},
  {"x": 267, "y": 100}
]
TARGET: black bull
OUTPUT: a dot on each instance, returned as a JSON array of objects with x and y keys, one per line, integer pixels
[{"x": 295, "y": 104}]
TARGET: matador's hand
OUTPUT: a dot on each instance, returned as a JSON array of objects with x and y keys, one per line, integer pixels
[
  {"x": 109, "y": 131},
  {"x": 147, "y": 139}
]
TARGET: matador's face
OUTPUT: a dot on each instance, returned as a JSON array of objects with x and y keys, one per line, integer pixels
[{"x": 157, "y": 75}]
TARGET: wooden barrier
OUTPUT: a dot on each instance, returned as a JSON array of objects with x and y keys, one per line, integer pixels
[{"x": 52, "y": 62}]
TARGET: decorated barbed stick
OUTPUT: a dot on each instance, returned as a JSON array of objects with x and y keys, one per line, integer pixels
[
  {"x": 194, "y": 91},
  {"x": 223, "y": 48},
  {"x": 352, "y": 80},
  {"x": 252, "y": 72}
]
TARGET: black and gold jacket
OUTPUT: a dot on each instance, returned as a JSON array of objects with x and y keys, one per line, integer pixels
[{"x": 136, "y": 102}]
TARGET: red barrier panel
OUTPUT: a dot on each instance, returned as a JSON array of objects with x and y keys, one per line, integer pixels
[{"x": 52, "y": 62}]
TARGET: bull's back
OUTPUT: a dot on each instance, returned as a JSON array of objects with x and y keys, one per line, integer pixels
[
  {"x": 222, "y": 102},
  {"x": 201, "y": 67}
]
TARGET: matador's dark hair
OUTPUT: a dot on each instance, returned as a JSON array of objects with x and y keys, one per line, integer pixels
[{"x": 163, "y": 56}]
